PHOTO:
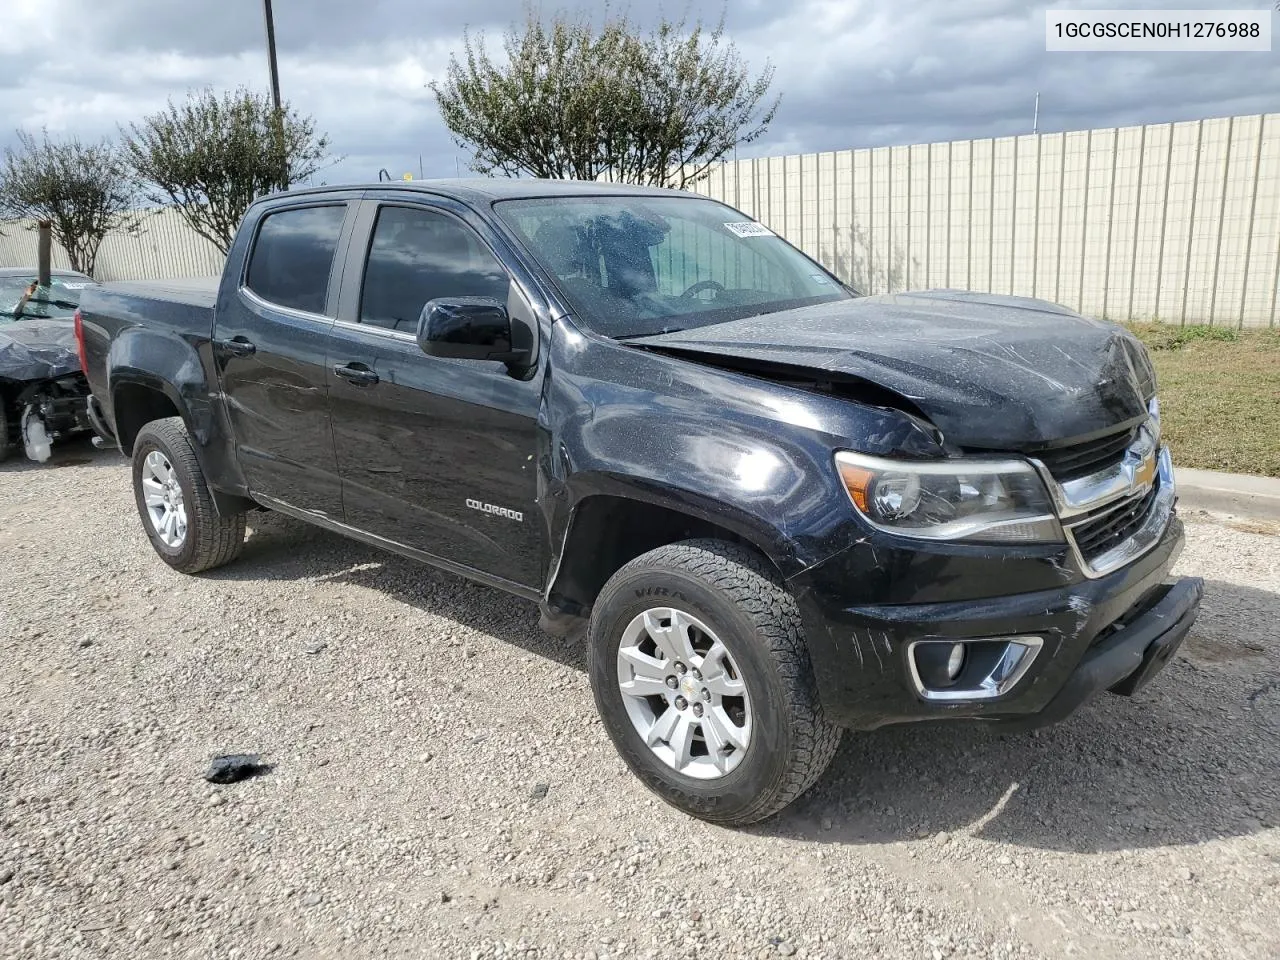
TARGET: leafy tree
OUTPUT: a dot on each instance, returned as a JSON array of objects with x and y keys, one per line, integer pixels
[
  {"x": 83, "y": 189},
  {"x": 568, "y": 100},
  {"x": 211, "y": 156}
]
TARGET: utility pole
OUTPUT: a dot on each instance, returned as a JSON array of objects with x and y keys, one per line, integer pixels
[
  {"x": 1035, "y": 119},
  {"x": 275, "y": 94}
]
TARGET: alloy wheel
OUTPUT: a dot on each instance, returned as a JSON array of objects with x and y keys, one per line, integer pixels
[{"x": 683, "y": 693}]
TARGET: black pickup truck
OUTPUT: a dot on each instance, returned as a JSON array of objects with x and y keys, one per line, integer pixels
[{"x": 780, "y": 509}]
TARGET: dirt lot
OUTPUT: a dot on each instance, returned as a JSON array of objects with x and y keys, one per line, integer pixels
[{"x": 412, "y": 717}]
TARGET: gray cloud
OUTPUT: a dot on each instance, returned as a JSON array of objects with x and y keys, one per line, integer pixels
[{"x": 851, "y": 72}]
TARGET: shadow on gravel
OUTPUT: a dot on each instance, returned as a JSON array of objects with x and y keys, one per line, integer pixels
[
  {"x": 76, "y": 452},
  {"x": 1192, "y": 757},
  {"x": 282, "y": 548}
]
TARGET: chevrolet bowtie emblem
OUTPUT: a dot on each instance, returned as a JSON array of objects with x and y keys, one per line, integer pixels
[
  {"x": 1145, "y": 474},
  {"x": 1141, "y": 460}
]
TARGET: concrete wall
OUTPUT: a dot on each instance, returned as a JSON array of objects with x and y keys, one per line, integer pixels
[{"x": 1179, "y": 222}]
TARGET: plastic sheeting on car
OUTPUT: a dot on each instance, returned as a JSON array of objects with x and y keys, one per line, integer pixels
[{"x": 38, "y": 349}]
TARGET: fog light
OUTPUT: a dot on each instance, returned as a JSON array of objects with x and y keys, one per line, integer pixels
[
  {"x": 939, "y": 663},
  {"x": 977, "y": 669}
]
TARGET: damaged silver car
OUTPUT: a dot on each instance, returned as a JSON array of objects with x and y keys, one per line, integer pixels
[{"x": 43, "y": 393}]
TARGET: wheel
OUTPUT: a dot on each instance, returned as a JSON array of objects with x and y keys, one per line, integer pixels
[
  {"x": 174, "y": 502},
  {"x": 701, "y": 675}
]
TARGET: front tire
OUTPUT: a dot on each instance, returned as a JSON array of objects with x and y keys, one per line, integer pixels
[
  {"x": 740, "y": 733},
  {"x": 174, "y": 502}
]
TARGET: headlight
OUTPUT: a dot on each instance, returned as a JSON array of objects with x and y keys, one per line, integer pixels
[{"x": 1001, "y": 501}]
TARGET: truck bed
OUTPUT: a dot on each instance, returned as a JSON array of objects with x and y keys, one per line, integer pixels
[
  {"x": 161, "y": 324},
  {"x": 192, "y": 291}
]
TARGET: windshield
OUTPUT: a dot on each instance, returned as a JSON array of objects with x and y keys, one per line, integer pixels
[
  {"x": 632, "y": 266},
  {"x": 58, "y": 300}
]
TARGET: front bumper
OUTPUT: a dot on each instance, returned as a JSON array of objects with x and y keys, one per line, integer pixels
[
  {"x": 1111, "y": 632},
  {"x": 1131, "y": 654}
]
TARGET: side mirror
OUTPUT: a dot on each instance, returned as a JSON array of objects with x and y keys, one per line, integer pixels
[{"x": 468, "y": 328}]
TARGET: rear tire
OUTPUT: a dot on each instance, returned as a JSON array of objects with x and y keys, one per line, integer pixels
[
  {"x": 174, "y": 502},
  {"x": 719, "y": 597}
]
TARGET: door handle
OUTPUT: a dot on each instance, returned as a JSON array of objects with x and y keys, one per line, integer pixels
[
  {"x": 236, "y": 346},
  {"x": 352, "y": 373}
]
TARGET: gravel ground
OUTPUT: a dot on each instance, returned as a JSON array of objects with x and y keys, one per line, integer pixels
[{"x": 441, "y": 787}]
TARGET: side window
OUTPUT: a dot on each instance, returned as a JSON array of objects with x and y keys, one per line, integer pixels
[
  {"x": 293, "y": 256},
  {"x": 418, "y": 255}
]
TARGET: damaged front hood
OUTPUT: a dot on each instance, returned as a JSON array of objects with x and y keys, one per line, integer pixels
[
  {"x": 989, "y": 371},
  {"x": 38, "y": 349}
]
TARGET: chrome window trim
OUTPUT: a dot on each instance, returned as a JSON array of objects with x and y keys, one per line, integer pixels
[
  {"x": 378, "y": 331},
  {"x": 995, "y": 684},
  {"x": 264, "y": 304}
]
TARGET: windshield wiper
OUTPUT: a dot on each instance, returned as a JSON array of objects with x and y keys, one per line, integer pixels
[{"x": 29, "y": 308}]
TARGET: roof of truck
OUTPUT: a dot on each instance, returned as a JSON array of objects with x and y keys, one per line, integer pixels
[{"x": 488, "y": 189}]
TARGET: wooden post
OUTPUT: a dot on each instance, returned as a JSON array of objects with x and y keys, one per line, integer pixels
[{"x": 44, "y": 254}]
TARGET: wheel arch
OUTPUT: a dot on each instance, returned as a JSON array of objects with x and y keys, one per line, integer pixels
[
  {"x": 136, "y": 402},
  {"x": 608, "y": 530}
]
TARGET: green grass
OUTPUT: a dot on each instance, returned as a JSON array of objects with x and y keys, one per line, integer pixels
[{"x": 1219, "y": 395}]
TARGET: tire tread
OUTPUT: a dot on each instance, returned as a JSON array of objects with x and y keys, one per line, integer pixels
[
  {"x": 219, "y": 538},
  {"x": 750, "y": 582}
]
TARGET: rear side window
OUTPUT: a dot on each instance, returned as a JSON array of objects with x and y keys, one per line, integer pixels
[
  {"x": 293, "y": 256},
  {"x": 418, "y": 255}
]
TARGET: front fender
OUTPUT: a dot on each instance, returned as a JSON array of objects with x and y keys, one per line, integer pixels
[{"x": 745, "y": 453}]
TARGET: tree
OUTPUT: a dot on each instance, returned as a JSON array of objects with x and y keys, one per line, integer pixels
[
  {"x": 212, "y": 156},
  {"x": 571, "y": 101},
  {"x": 83, "y": 189}
]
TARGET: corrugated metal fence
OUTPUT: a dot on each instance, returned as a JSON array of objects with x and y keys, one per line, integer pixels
[
  {"x": 164, "y": 248},
  {"x": 1179, "y": 222}
]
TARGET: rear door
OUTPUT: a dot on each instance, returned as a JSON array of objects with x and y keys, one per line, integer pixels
[
  {"x": 271, "y": 337},
  {"x": 436, "y": 454}
]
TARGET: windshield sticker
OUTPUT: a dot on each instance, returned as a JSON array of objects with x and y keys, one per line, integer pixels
[
  {"x": 749, "y": 228},
  {"x": 70, "y": 286},
  {"x": 818, "y": 278}
]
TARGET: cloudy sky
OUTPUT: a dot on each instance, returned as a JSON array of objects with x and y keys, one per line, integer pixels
[{"x": 851, "y": 72}]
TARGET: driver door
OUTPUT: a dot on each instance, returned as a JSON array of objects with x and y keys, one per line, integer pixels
[{"x": 435, "y": 454}]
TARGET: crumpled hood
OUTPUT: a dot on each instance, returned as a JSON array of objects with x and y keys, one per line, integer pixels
[
  {"x": 989, "y": 371},
  {"x": 38, "y": 349}
]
